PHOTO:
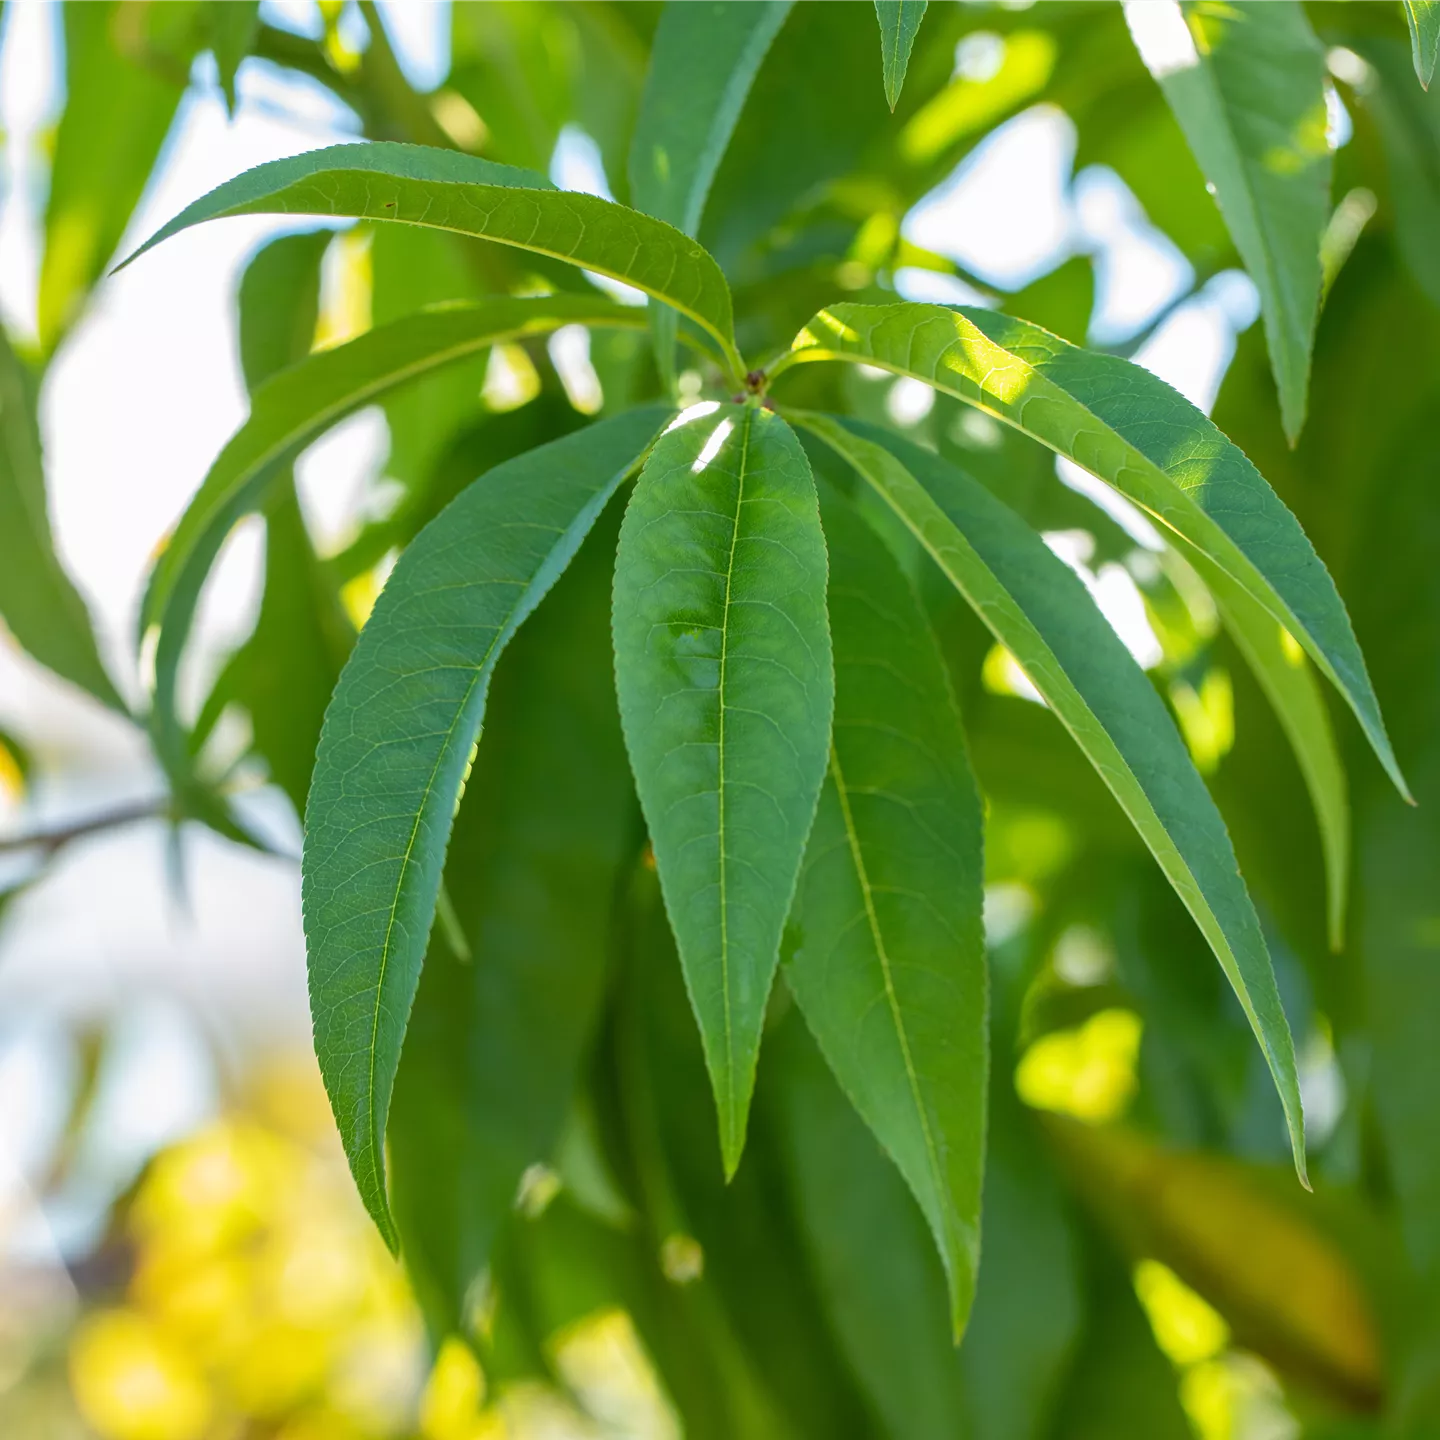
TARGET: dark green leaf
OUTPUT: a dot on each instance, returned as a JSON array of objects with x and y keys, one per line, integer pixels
[
  {"x": 496, "y": 1035},
  {"x": 1134, "y": 432},
  {"x": 442, "y": 189},
  {"x": 899, "y": 20},
  {"x": 233, "y": 26},
  {"x": 1037, "y": 608},
  {"x": 1424, "y": 18},
  {"x": 726, "y": 689},
  {"x": 396, "y": 745},
  {"x": 125, "y": 70},
  {"x": 1251, "y": 101},
  {"x": 38, "y": 601},
  {"x": 886, "y": 954}
]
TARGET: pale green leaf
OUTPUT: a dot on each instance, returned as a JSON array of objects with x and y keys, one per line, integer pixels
[
  {"x": 899, "y": 20},
  {"x": 1424, "y": 19},
  {"x": 1289, "y": 684},
  {"x": 885, "y": 948},
  {"x": 1250, "y": 97},
  {"x": 1038, "y": 609},
  {"x": 445, "y": 190},
  {"x": 1133, "y": 431},
  {"x": 723, "y": 667},
  {"x": 293, "y": 408},
  {"x": 396, "y": 745},
  {"x": 38, "y": 601}
]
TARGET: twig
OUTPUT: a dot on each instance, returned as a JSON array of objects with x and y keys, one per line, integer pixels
[{"x": 49, "y": 841}]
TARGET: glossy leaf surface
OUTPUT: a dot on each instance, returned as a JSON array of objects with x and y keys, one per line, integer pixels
[
  {"x": 1423, "y": 17},
  {"x": 1133, "y": 431},
  {"x": 899, "y": 20},
  {"x": 396, "y": 746},
  {"x": 38, "y": 600},
  {"x": 885, "y": 948},
  {"x": 723, "y": 666},
  {"x": 420, "y": 185},
  {"x": 1250, "y": 98},
  {"x": 1036, "y": 607}
]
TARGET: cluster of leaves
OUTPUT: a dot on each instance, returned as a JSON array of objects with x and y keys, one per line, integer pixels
[{"x": 721, "y": 650}]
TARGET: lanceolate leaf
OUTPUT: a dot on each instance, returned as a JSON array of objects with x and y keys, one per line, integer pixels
[
  {"x": 396, "y": 745},
  {"x": 295, "y": 407},
  {"x": 1285, "y": 676},
  {"x": 1251, "y": 100},
  {"x": 496, "y": 1035},
  {"x": 37, "y": 600},
  {"x": 702, "y": 61},
  {"x": 233, "y": 25},
  {"x": 899, "y": 20},
  {"x": 1133, "y": 431},
  {"x": 722, "y": 655},
  {"x": 421, "y": 185},
  {"x": 1424, "y": 18},
  {"x": 886, "y": 948},
  {"x": 1036, "y": 607}
]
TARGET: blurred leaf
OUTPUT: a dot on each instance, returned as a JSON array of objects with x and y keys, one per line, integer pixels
[
  {"x": 1037, "y": 609},
  {"x": 1286, "y": 1290},
  {"x": 726, "y": 693},
  {"x": 397, "y": 744},
  {"x": 1137, "y": 434},
  {"x": 233, "y": 27},
  {"x": 1424, "y": 18},
  {"x": 126, "y": 67},
  {"x": 496, "y": 1035},
  {"x": 449, "y": 191},
  {"x": 885, "y": 950},
  {"x": 873, "y": 1260},
  {"x": 38, "y": 601},
  {"x": 297, "y": 406},
  {"x": 1062, "y": 301},
  {"x": 1251, "y": 102},
  {"x": 899, "y": 20},
  {"x": 702, "y": 63}
]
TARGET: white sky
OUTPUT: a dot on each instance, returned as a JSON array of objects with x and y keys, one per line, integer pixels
[{"x": 136, "y": 406}]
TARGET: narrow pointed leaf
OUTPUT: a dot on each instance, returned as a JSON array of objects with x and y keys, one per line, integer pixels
[
  {"x": 1036, "y": 607},
  {"x": 496, "y": 1036},
  {"x": 423, "y": 185},
  {"x": 296, "y": 406},
  {"x": 396, "y": 745},
  {"x": 233, "y": 27},
  {"x": 899, "y": 20},
  {"x": 1250, "y": 98},
  {"x": 702, "y": 61},
  {"x": 722, "y": 655},
  {"x": 38, "y": 601},
  {"x": 1290, "y": 686},
  {"x": 886, "y": 948},
  {"x": 1424, "y": 19},
  {"x": 1133, "y": 431}
]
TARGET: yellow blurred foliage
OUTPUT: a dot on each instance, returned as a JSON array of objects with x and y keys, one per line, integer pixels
[
  {"x": 1088, "y": 1072},
  {"x": 1186, "y": 1328},
  {"x": 131, "y": 1382}
]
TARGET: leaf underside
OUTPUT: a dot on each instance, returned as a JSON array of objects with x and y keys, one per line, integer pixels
[
  {"x": 397, "y": 743},
  {"x": 1423, "y": 17},
  {"x": 723, "y": 670}
]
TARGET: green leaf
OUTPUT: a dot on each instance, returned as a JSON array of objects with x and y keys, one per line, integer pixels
[
  {"x": 121, "y": 94},
  {"x": 233, "y": 27},
  {"x": 873, "y": 1262},
  {"x": 899, "y": 20},
  {"x": 1133, "y": 431},
  {"x": 397, "y": 743},
  {"x": 1424, "y": 20},
  {"x": 442, "y": 189},
  {"x": 295, "y": 407},
  {"x": 1037, "y": 608},
  {"x": 1251, "y": 101},
  {"x": 702, "y": 62},
  {"x": 38, "y": 601},
  {"x": 1281, "y": 668},
  {"x": 496, "y": 1036},
  {"x": 722, "y": 655},
  {"x": 886, "y": 952}
]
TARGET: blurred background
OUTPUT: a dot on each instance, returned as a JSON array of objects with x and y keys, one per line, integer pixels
[{"x": 181, "y": 1253}]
